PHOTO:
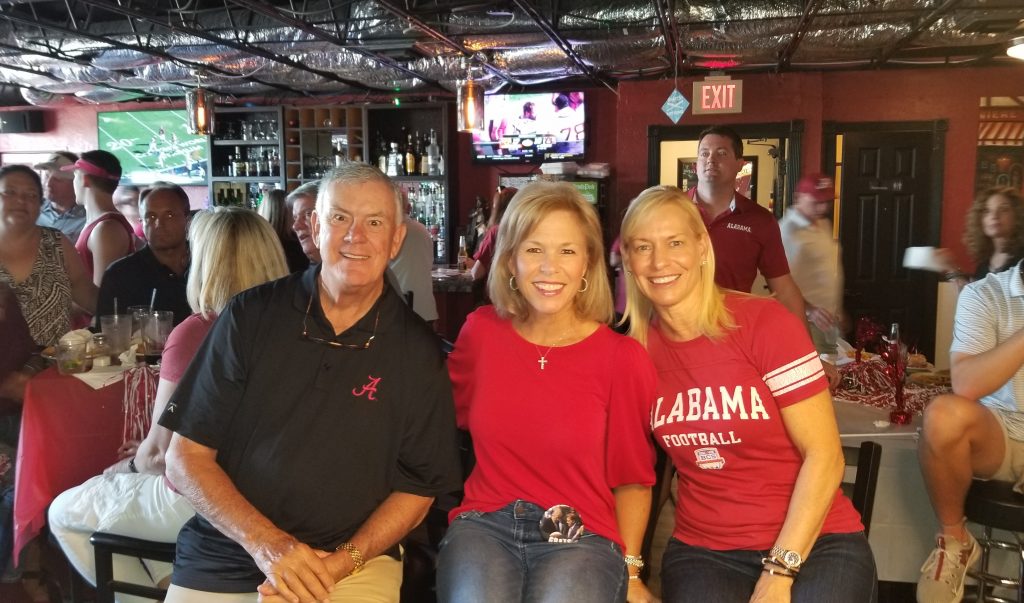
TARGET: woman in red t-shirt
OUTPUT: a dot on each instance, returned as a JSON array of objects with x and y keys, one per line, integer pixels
[
  {"x": 559, "y": 408},
  {"x": 744, "y": 412}
]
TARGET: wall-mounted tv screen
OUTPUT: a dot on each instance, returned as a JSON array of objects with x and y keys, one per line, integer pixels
[
  {"x": 532, "y": 128},
  {"x": 154, "y": 145}
]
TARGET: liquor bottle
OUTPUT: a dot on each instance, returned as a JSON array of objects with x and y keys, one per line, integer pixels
[
  {"x": 410, "y": 157},
  {"x": 433, "y": 155},
  {"x": 463, "y": 257},
  {"x": 275, "y": 163},
  {"x": 382, "y": 153},
  {"x": 231, "y": 166},
  {"x": 220, "y": 197},
  {"x": 394, "y": 167},
  {"x": 262, "y": 164},
  {"x": 421, "y": 150},
  {"x": 239, "y": 164},
  {"x": 340, "y": 154},
  {"x": 441, "y": 257},
  {"x": 251, "y": 163},
  {"x": 412, "y": 200}
]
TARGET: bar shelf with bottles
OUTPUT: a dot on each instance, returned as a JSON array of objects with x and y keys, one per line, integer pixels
[
  {"x": 318, "y": 138},
  {"x": 410, "y": 145},
  {"x": 245, "y": 155}
]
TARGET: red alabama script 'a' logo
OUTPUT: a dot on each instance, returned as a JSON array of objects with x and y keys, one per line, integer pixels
[{"x": 370, "y": 388}]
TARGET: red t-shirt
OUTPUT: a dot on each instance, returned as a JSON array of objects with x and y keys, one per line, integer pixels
[
  {"x": 717, "y": 415},
  {"x": 566, "y": 434},
  {"x": 485, "y": 250},
  {"x": 182, "y": 344},
  {"x": 745, "y": 239}
]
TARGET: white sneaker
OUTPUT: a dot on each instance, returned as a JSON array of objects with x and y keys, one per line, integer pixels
[{"x": 943, "y": 573}]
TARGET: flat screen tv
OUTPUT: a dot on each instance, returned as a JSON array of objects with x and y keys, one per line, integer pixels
[
  {"x": 154, "y": 145},
  {"x": 532, "y": 128}
]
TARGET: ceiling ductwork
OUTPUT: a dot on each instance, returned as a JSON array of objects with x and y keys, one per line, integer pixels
[{"x": 107, "y": 51}]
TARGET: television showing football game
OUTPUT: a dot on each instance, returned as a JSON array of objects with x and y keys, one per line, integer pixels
[
  {"x": 154, "y": 145},
  {"x": 532, "y": 128}
]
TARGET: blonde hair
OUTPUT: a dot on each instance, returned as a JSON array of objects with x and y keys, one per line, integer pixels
[
  {"x": 233, "y": 249},
  {"x": 713, "y": 317},
  {"x": 535, "y": 202}
]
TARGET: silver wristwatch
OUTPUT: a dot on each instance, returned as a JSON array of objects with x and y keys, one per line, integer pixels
[{"x": 790, "y": 559}]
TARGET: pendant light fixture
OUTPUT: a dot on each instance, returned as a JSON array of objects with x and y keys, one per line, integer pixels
[
  {"x": 199, "y": 106},
  {"x": 470, "y": 102},
  {"x": 1016, "y": 48}
]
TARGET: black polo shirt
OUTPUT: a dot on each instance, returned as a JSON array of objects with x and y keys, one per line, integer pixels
[
  {"x": 132, "y": 279},
  {"x": 314, "y": 436}
]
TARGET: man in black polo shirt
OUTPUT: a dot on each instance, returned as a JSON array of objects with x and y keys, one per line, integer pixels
[
  {"x": 315, "y": 424},
  {"x": 161, "y": 265}
]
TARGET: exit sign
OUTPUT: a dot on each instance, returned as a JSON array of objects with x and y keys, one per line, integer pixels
[{"x": 717, "y": 95}]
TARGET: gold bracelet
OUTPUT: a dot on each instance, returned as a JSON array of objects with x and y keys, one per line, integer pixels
[{"x": 355, "y": 554}]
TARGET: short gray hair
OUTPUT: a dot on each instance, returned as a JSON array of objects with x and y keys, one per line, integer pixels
[
  {"x": 309, "y": 189},
  {"x": 355, "y": 172}
]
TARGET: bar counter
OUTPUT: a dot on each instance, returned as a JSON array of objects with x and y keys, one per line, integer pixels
[{"x": 455, "y": 297}]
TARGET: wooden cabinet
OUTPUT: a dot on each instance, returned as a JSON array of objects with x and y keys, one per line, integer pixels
[
  {"x": 246, "y": 155},
  {"x": 317, "y": 138}
]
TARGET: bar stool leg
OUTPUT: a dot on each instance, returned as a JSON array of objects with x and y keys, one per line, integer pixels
[
  {"x": 985, "y": 545},
  {"x": 1020, "y": 568}
]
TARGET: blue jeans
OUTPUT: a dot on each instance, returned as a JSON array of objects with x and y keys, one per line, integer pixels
[
  {"x": 839, "y": 569},
  {"x": 501, "y": 557}
]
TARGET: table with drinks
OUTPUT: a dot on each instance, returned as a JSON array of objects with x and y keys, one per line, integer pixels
[{"x": 75, "y": 414}]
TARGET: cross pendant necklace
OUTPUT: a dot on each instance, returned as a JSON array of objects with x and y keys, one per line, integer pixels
[{"x": 543, "y": 360}]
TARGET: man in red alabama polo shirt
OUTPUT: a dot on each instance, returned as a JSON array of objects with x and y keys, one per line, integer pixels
[{"x": 744, "y": 235}]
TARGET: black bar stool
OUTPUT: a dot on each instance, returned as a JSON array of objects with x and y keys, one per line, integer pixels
[{"x": 994, "y": 505}]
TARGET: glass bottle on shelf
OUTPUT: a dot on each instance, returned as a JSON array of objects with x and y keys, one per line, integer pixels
[
  {"x": 251, "y": 163},
  {"x": 381, "y": 152},
  {"x": 394, "y": 167},
  {"x": 421, "y": 151},
  {"x": 220, "y": 198},
  {"x": 433, "y": 155},
  {"x": 410, "y": 157},
  {"x": 441, "y": 257},
  {"x": 238, "y": 164},
  {"x": 275, "y": 163}
]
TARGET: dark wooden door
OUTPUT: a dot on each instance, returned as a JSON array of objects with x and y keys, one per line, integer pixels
[{"x": 888, "y": 204}]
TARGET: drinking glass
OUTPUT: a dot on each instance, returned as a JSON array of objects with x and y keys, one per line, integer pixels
[
  {"x": 156, "y": 326},
  {"x": 72, "y": 357},
  {"x": 118, "y": 329},
  {"x": 137, "y": 313}
]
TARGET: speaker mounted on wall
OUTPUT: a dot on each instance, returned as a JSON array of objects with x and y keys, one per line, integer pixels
[{"x": 22, "y": 122}]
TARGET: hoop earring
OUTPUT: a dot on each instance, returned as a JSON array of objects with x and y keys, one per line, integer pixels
[
  {"x": 586, "y": 285},
  {"x": 512, "y": 283}
]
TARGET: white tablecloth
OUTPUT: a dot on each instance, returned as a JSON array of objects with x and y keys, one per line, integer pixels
[{"x": 902, "y": 525}]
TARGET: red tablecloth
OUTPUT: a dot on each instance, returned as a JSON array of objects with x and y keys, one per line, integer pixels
[{"x": 69, "y": 433}]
